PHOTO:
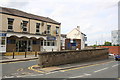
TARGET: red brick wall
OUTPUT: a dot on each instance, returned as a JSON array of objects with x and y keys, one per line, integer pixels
[{"x": 113, "y": 49}]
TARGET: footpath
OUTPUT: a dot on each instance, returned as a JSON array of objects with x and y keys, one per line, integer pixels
[{"x": 7, "y": 59}]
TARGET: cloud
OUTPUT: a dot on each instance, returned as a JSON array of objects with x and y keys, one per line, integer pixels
[{"x": 95, "y": 17}]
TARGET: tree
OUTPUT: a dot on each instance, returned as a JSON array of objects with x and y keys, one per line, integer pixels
[{"x": 107, "y": 43}]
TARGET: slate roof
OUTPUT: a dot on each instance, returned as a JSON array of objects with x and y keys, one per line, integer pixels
[{"x": 20, "y": 13}]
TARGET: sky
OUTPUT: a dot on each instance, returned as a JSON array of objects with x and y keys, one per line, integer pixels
[{"x": 96, "y": 18}]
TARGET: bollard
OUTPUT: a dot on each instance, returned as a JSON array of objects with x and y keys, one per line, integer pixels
[
  {"x": 25, "y": 53},
  {"x": 13, "y": 54},
  {"x": 52, "y": 49},
  {"x": 35, "y": 53}
]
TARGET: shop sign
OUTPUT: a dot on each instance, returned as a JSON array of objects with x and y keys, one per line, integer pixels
[
  {"x": 3, "y": 34},
  {"x": 51, "y": 38}
]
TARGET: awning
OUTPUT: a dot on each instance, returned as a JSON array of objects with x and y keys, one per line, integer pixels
[{"x": 25, "y": 35}]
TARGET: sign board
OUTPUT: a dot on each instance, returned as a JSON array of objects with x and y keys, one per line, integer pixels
[
  {"x": 51, "y": 38},
  {"x": 3, "y": 34}
]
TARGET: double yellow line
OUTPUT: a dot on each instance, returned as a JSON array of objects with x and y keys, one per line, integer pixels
[
  {"x": 85, "y": 66},
  {"x": 32, "y": 68}
]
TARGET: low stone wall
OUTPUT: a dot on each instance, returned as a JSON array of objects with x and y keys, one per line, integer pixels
[{"x": 63, "y": 57}]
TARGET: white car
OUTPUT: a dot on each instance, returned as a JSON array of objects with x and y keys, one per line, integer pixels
[{"x": 111, "y": 54}]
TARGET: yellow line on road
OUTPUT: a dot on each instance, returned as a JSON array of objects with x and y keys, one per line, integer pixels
[
  {"x": 21, "y": 69},
  {"x": 31, "y": 68},
  {"x": 86, "y": 66}
]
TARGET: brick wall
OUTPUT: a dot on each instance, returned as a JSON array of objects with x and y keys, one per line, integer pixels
[
  {"x": 113, "y": 49},
  {"x": 64, "y": 57}
]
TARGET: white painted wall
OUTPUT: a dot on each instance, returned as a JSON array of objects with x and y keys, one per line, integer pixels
[
  {"x": 48, "y": 48},
  {"x": 76, "y": 34}
]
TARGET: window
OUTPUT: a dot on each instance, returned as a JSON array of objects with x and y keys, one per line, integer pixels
[
  {"x": 11, "y": 41},
  {"x": 34, "y": 42},
  {"x": 53, "y": 43},
  {"x": 49, "y": 43},
  {"x": 41, "y": 42},
  {"x": 57, "y": 30},
  {"x": 24, "y": 26},
  {"x": 45, "y": 43},
  {"x": 48, "y": 29},
  {"x": 37, "y": 27},
  {"x": 2, "y": 41},
  {"x": 10, "y": 23}
]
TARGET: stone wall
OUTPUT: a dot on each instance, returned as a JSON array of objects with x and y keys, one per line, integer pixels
[{"x": 64, "y": 57}]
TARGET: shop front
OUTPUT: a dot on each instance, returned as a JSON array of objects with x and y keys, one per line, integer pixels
[{"x": 23, "y": 43}]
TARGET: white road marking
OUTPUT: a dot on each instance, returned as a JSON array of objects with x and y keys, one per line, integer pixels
[
  {"x": 85, "y": 74},
  {"x": 30, "y": 75},
  {"x": 101, "y": 69},
  {"x": 115, "y": 65},
  {"x": 52, "y": 72}
]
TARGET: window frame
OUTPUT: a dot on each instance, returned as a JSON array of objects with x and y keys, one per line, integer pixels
[
  {"x": 10, "y": 23},
  {"x": 24, "y": 26},
  {"x": 48, "y": 31},
  {"x": 37, "y": 27},
  {"x": 57, "y": 30}
]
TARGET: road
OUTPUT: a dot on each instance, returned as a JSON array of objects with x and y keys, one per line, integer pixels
[{"x": 104, "y": 69}]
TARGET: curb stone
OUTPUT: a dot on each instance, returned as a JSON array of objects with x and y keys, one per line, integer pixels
[{"x": 7, "y": 61}]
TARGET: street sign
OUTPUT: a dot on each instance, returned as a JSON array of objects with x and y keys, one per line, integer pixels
[
  {"x": 3, "y": 34},
  {"x": 51, "y": 38}
]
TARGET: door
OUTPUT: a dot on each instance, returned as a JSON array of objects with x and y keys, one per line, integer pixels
[{"x": 22, "y": 45}]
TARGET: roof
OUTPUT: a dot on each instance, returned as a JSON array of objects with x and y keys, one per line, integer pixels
[
  {"x": 63, "y": 35},
  {"x": 78, "y": 31},
  {"x": 20, "y": 13}
]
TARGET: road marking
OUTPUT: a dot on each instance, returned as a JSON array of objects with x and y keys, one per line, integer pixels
[
  {"x": 85, "y": 74},
  {"x": 31, "y": 68},
  {"x": 21, "y": 69},
  {"x": 85, "y": 66},
  {"x": 101, "y": 70},
  {"x": 115, "y": 65}
]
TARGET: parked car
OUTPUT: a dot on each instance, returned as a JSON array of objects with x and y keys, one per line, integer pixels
[
  {"x": 117, "y": 57},
  {"x": 111, "y": 54}
]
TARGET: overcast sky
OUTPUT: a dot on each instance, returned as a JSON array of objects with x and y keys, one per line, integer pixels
[{"x": 96, "y": 18}]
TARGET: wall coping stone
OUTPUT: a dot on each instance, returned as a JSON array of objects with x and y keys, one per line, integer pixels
[{"x": 67, "y": 51}]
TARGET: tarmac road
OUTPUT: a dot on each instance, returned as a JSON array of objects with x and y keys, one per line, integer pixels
[{"x": 96, "y": 69}]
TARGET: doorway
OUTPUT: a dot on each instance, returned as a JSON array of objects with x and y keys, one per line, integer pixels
[{"x": 23, "y": 45}]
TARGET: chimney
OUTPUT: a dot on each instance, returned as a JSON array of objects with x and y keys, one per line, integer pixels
[{"x": 78, "y": 27}]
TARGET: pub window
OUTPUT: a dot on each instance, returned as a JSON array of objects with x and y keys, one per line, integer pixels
[
  {"x": 10, "y": 23},
  {"x": 34, "y": 42},
  {"x": 11, "y": 41},
  {"x": 48, "y": 29},
  {"x": 37, "y": 27},
  {"x": 24, "y": 26},
  {"x": 48, "y": 43},
  {"x": 45, "y": 43},
  {"x": 41, "y": 42},
  {"x": 2, "y": 40},
  {"x": 57, "y": 30},
  {"x": 53, "y": 43}
]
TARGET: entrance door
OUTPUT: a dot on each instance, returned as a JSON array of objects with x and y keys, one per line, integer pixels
[{"x": 22, "y": 45}]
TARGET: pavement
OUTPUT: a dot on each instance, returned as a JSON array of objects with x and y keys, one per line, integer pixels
[
  {"x": 7, "y": 59},
  {"x": 30, "y": 68},
  {"x": 67, "y": 66}
]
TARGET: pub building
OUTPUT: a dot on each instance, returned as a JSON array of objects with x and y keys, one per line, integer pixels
[{"x": 21, "y": 31}]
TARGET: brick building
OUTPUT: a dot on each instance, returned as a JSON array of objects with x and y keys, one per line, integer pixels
[
  {"x": 21, "y": 31},
  {"x": 113, "y": 49}
]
